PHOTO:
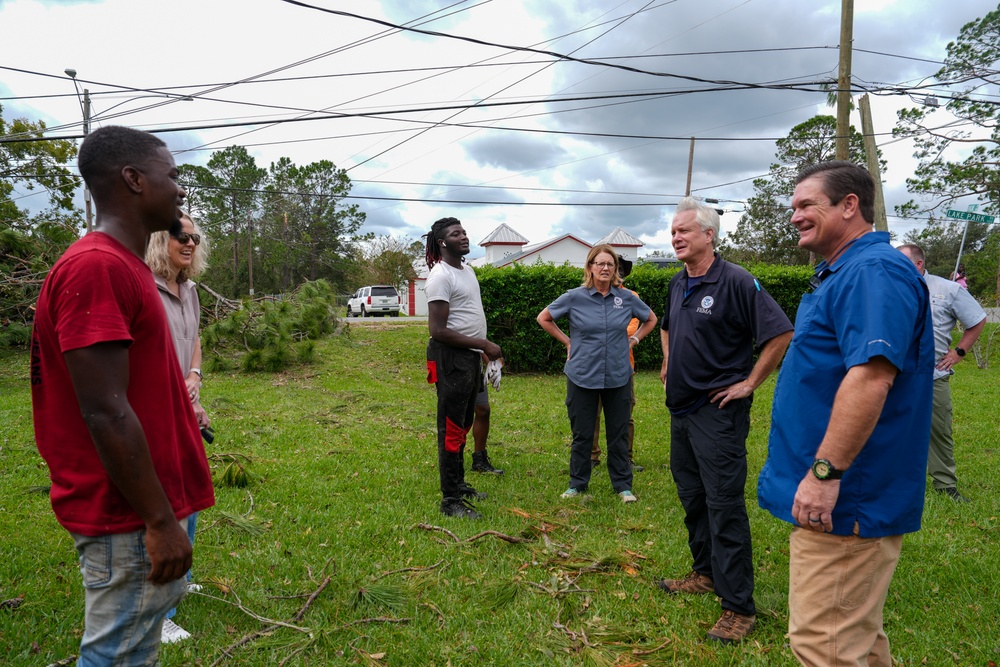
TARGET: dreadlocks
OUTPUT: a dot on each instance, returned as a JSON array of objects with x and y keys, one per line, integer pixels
[{"x": 433, "y": 250}]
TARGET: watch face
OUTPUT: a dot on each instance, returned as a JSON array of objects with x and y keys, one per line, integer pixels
[{"x": 821, "y": 469}]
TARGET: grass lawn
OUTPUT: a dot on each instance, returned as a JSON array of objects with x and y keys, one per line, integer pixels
[{"x": 344, "y": 491}]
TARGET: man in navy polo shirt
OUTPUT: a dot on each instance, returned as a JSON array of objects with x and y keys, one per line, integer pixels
[
  {"x": 716, "y": 313},
  {"x": 851, "y": 422}
]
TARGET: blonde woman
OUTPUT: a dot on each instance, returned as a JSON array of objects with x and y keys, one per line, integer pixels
[
  {"x": 597, "y": 365},
  {"x": 175, "y": 260}
]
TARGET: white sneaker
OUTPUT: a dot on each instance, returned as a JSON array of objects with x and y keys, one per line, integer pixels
[
  {"x": 194, "y": 588},
  {"x": 173, "y": 633}
]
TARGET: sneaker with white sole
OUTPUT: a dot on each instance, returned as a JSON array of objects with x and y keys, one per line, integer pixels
[
  {"x": 173, "y": 633},
  {"x": 627, "y": 496},
  {"x": 194, "y": 588},
  {"x": 571, "y": 493}
]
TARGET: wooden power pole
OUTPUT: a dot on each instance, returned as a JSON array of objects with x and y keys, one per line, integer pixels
[
  {"x": 844, "y": 80},
  {"x": 687, "y": 190},
  {"x": 871, "y": 153}
]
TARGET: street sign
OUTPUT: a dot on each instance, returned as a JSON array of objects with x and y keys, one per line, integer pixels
[{"x": 971, "y": 217}]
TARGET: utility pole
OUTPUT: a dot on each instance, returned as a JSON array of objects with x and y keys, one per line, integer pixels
[
  {"x": 85, "y": 104},
  {"x": 844, "y": 80},
  {"x": 250, "y": 251},
  {"x": 687, "y": 190},
  {"x": 86, "y": 131},
  {"x": 871, "y": 153}
]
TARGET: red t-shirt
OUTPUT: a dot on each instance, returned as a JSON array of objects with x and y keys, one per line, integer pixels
[{"x": 99, "y": 292}]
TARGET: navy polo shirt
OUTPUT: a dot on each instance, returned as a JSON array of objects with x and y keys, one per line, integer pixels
[
  {"x": 871, "y": 302},
  {"x": 713, "y": 326},
  {"x": 598, "y": 334}
]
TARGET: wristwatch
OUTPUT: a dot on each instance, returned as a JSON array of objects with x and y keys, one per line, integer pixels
[
  {"x": 959, "y": 351},
  {"x": 197, "y": 371},
  {"x": 824, "y": 470}
]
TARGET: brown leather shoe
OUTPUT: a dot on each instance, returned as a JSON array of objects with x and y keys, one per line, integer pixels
[
  {"x": 693, "y": 582},
  {"x": 732, "y": 627}
]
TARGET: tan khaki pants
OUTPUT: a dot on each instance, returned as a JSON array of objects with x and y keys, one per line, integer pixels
[{"x": 836, "y": 592}]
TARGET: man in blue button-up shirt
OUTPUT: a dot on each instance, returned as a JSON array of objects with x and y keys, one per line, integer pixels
[{"x": 851, "y": 422}]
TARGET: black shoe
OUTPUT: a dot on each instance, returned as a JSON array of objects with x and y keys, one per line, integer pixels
[
  {"x": 635, "y": 466},
  {"x": 459, "y": 507},
  {"x": 481, "y": 463},
  {"x": 952, "y": 493},
  {"x": 467, "y": 491}
]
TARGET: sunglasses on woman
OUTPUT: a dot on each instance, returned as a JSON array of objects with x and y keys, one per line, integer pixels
[{"x": 184, "y": 237}]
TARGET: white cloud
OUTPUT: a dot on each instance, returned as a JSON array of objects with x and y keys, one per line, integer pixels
[{"x": 358, "y": 68}]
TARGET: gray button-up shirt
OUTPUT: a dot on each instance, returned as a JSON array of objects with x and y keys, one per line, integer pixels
[{"x": 598, "y": 332}]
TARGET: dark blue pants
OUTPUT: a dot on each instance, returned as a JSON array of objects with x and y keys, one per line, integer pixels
[
  {"x": 708, "y": 459},
  {"x": 458, "y": 374},
  {"x": 581, "y": 404}
]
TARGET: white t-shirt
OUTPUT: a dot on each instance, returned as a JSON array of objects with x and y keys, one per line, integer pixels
[{"x": 460, "y": 289}]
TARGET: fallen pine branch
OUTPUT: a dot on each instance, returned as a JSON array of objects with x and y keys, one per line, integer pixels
[
  {"x": 411, "y": 569},
  {"x": 274, "y": 625},
  {"x": 485, "y": 533},
  {"x": 638, "y": 651}
]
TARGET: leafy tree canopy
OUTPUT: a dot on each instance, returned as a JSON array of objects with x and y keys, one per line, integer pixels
[
  {"x": 970, "y": 69},
  {"x": 30, "y": 242},
  {"x": 764, "y": 233}
]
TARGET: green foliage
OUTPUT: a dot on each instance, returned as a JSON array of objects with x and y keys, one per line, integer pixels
[
  {"x": 291, "y": 218},
  {"x": 513, "y": 297},
  {"x": 969, "y": 71},
  {"x": 269, "y": 335},
  {"x": 764, "y": 233},
  {"x": 786, "y": 284},
  {"x": 384, "y": 260},
  {"x": 941, "y": 239},
  {"x": 29, "y": 244},
  {"x": 346, "y": 453}
]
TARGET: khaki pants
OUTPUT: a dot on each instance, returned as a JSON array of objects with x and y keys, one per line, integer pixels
[
  {"x": 837, "y": 588},
  {"x": 941, "y": 457}
]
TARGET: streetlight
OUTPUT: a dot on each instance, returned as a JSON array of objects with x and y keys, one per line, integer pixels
[{"x": 85, "y": 107}]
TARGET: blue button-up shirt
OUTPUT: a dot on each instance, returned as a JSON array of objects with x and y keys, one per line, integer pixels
[
  {"x": 598, "y": 333},
  {"x": 871, "y": 302}
]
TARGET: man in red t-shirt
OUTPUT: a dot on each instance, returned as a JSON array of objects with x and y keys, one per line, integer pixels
[{"x": 111, "y": 413}]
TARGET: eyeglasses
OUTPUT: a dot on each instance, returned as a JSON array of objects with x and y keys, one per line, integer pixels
[
  {"x": 603, "y": 265},
  {"x": 184, "y": 237}
]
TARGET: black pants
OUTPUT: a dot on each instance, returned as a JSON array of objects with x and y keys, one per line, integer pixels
[
  {"x": 708, "y": 459},
  {"x": 581, "y": 404},
  {"x": 458, "y": 374}
]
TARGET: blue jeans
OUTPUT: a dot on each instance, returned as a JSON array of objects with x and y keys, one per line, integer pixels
[
  {"x": 124, "y": 611},
  {"x": 192, "y": 525}
]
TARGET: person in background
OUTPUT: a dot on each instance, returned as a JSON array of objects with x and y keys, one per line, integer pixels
[
  {"x": 624, "y": 269},
  {"x": 457, "y": 326},
  {"x": 716, "y": 314},
  {"x": 959, "y": 276},
  {"x": 481, "y": 430},
  {"x": 851, "y": 422},
  {"x": 175, "y": 260},
  {"x": 597, "y": 367},
  {"x": 111, "y": 412},
  {"x": 950, "y": 304}
]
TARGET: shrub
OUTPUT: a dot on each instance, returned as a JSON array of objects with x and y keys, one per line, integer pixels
[
  {"x": 513, "y": 297},
  {"x": 269, "y": 335}
]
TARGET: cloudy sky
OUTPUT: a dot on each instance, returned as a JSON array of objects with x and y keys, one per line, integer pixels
[{"x": 473, "y": 116}]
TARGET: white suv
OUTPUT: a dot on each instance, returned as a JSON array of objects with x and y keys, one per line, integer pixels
[{"x": 374, "y": 300}]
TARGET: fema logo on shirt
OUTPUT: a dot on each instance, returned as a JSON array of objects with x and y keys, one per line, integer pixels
[
  {"x": 706, "y": 305},
  {"x": 618, "y": 302}
]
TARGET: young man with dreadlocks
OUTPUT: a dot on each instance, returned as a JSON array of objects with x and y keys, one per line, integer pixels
[{"x": 457, "y": 327}]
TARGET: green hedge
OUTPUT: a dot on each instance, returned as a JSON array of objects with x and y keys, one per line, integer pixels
[{"x": 513, "y": 297}]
